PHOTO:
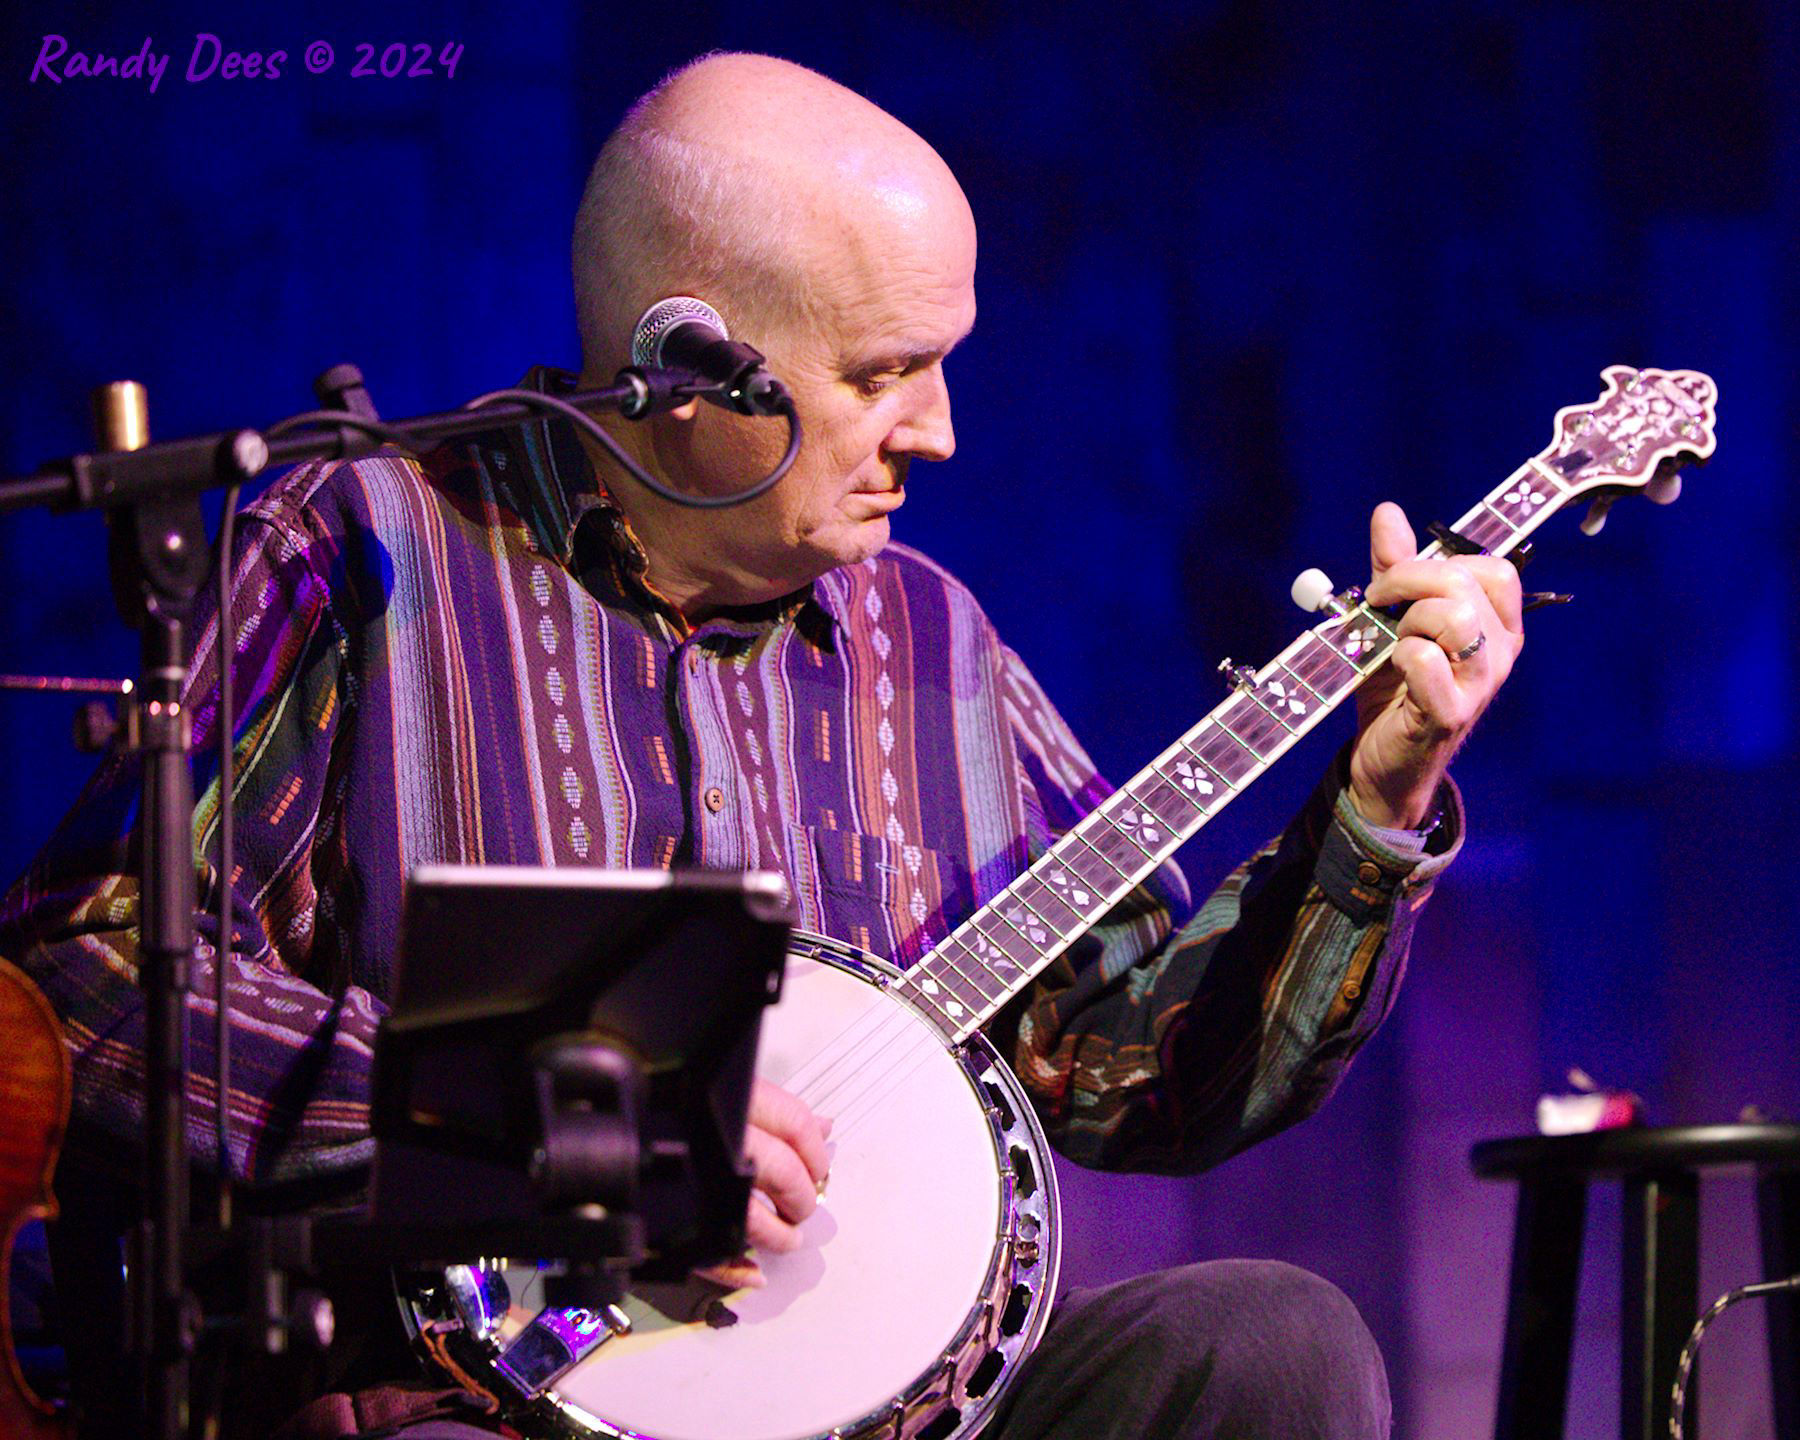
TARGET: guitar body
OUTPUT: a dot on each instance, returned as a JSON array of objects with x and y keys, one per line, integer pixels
[{"x": 926, "y": 1273}]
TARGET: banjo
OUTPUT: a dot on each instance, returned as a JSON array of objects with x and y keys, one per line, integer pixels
[{"x": 927, "y": 1273}]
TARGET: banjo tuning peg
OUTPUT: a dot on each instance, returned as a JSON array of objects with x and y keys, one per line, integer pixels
[{"x": 1595, "y": 518}]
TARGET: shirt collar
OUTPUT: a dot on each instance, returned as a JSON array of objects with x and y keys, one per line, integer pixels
[{"x": 567, "y": 495}]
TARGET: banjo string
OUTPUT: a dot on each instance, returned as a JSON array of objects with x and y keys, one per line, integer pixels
[
  {"x": 832, "y": 1082},
  {"x": 856, "y": 1052},
  {"x": 850, "y": 1119},
  {"x": 881, "y": 1082},
  {"x": 846, "y": 1068},
  {"x": 802, "y": 1078},
  {"x": 852, "y": 1035}
]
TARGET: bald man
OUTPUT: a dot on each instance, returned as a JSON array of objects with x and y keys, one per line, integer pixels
[
  {"x": 505, "y": 652},
  {"x": 841, "y": 242}
]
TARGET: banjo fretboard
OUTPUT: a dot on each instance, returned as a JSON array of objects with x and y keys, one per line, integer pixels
[{"x": 1646, "y": 419}]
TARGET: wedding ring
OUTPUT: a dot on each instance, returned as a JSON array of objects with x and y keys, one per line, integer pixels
[{"x": 1469, "y": 649}]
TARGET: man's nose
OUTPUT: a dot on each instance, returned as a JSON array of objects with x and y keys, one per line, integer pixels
[{"x": 926, "y": 431}]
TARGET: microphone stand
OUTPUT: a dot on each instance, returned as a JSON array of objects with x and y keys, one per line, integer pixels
[
  {"x": 159, "y": 557},
  {"x": 119, "y": 479}
]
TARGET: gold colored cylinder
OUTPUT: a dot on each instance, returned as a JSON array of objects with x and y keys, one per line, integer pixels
[{"x": 121, "y": 416}]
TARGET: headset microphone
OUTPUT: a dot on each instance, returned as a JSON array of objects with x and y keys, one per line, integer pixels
[{"x": 688, "y": 334}]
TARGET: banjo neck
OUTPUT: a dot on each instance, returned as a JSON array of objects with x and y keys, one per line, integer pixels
[
  {"x": 1647, "y": 425},
  {"x": 975, "y": 971}
]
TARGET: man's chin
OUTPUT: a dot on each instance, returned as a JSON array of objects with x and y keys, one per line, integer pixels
[
  {"x": 861, "y": 540},
  {"x": 874, "y": 535}
]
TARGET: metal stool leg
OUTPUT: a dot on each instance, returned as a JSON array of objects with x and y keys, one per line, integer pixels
[
  {"x": 1778, "y": 1206},
  {"x": 1661, "y": 1297},
  {"x": 1540, "y": 1307}
]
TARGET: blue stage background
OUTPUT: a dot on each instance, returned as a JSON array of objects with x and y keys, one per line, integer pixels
[{"x": 1246, "y": 269}]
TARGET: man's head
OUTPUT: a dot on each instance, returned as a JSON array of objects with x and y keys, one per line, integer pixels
[{"x": 833, "y": 239}]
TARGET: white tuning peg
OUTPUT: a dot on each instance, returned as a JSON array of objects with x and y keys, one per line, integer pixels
[
  {"x": 1596, "y": 515},
  {"x": 1311, "y": 589},
  {"x": 1663, "y": 490}
]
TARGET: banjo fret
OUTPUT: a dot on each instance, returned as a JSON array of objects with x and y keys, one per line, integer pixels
[
  {"x": 1258, "y": 727},
  {"x": 1226, "y": 755},
  {"x": 1063, "y": 920},
  {"x": 1007, "y": 945},
  {"x": 1322, "y": 669},
  {"x": 1106, "y": 879},
  {"x": 1121, "y": 846},
  {"x": 1175, "y": 807},
  {"x": 942, "y": 982}
]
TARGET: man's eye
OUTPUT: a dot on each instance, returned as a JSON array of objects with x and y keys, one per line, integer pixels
[{"x": 873, "y": 385}]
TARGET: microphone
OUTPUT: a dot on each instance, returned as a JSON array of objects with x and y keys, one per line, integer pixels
[{"x": 688, "y": 334}]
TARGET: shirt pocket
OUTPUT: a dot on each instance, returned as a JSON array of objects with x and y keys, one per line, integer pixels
[{"x": 894, "y": 899}]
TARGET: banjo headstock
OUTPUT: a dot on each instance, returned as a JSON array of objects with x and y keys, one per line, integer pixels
[
  {"x": 1643, "y": 430},
  {"x": 1648, "y": 425}
]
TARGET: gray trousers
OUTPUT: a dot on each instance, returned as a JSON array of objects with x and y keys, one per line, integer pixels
[{"x": 1223, "y": 1350}]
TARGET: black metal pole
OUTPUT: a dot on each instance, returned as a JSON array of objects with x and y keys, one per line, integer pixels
[
  {"x": 110, "y": 479},
  {"x": 157, "y": 553},
  {"x": 159, "y": 561},
  {"x": 165, "y": 951},
  {"x": 1660, "y": 1297}
]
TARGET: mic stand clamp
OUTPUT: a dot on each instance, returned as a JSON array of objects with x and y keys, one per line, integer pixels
[{"x": 590, "y": 1098}]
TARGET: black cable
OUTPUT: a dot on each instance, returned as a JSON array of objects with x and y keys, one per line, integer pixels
[
  {"x": 222, "y": 950},
  {"x": 347, "y": 419},
  {"x": 226, "y": 740},
  {"x": 693, "y": 502}
]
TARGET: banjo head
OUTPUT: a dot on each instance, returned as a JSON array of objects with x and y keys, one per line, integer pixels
[{"x": 925, "y": 1275}]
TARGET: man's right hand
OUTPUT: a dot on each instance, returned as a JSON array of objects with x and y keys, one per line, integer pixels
[{"x": 785, "y": 1144}]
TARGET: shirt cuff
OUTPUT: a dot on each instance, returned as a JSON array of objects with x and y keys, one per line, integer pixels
[
  {"x": 1410, "y": 843},
  {"x": 1363, "y": 867}
]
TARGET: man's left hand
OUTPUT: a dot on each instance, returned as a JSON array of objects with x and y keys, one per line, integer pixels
[{"x": 1416, "y": 710}]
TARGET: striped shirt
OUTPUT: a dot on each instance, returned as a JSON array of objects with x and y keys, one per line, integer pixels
[{"x": 456, "y": 660}]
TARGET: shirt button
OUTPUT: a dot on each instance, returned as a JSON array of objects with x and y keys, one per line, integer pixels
[
  {"x": 1369, "y": 873},
  {"x": 715, "y": 799}
]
